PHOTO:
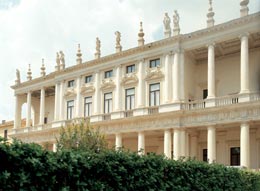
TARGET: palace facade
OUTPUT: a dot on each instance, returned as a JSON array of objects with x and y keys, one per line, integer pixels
[{"x": 187, "y": 95}]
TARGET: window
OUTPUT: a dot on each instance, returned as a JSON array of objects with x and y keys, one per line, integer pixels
[
  {"x": 88, "y": 79},
  {"x": 109, "y": 74},
  {"x": 155, "y": 94},
  {"x": 154, "y": 63},
  {"x": 45, "y": 120},
  {"x": 130, "y": 69},
  {"x": 70, "y": 107},
  {"x": 205, "y": 155},
  {"x": 5, "y": 133},
  {"x": 70, "y": 83},
  {"x": 235, "y": 156},
  {"x": 108, "y": 102},
  {"x": 88, "y": 106},
  {"x": 129, "y": 99},
  {"x": 205, "y": 93}
]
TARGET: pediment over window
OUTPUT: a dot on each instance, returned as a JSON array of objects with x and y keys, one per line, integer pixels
[
  {"x": 129, "y": 79},
  {"x": 70, "y": 92},
  {"x": 154, "y": 73},
  {"x": 87, "y": 88},
  {"x": 107, "y": 84}
]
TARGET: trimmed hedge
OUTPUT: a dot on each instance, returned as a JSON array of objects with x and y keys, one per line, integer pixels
[{"x": 29, "y": 167}]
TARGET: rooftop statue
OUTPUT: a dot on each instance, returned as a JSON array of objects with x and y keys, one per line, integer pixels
[
  {"x": 18, "y": 79},
  {"x": 57, "y": 59},
  {"x": 62, "y": 59},
  {"x": 118, "y": 38},
  {"x": 167, "y": 22},
  {"x": 98, "y": 45},
  {"x": 176, "y": 19}
]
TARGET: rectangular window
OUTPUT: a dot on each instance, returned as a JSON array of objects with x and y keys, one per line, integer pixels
[
  {"x": 154, "y": 63},
  {"x": 205, "y": 155},
  {"x": 5, "y": 133},
  {"x": 88, "y": 79},
  {"x": 235, "y": 156},
  {"x": 108, "y": 102},
  {"x": 129, "y": 99},
  {"x": 130, "y": 69},
  {"x": 70, "y": 108},
  {"x": 88, "y": 106},
  {"x": 109, "y": 74},
  {"x": 70, "y": 83},
  {"x": 205, "y": 93},
  {"x": 45, "y": 120},
  {"x": 154, "y": 94}
]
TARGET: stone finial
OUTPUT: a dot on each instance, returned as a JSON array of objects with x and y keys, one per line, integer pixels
[
  {"x": 57, "y": 67},
  {"x": 29, "y": 73},
  {"x": 18, "y": 79},
  {"x": 176, "y": 26},
  {"x": 167, "y": 26},
  {"x": 98, "y": 45},
  {"x": 141, "y": 35},
  {"x": 79, "y": 59},
  {"x": 62, "y": 60},
  {"x": 43, "y": 73},
  {"x": 210, "y": 15},
  {"x": 118, "y": 39},
  {"x": 243, "y": 8}
]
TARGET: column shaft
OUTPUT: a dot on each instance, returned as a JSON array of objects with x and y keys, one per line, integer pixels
[
  {"x": 211, "y": 71},
  {"x": 97, "y": 95},
  {"x": 56, "y": 105},
  {"x": 168, "y": 80},
  {"x": 244, "y": 68},
  {"x": 17, "y": 118},
  {"x": 61, "y": 110},
  {"x": 42, "y": 107},
  {"x": 118, "y": 95},
  {"x": 118, "y": 141},
  {"x": 176, "y": 82},
  {"x": 211, "y": 144},
  {"x": 78, "y": 99},
  {"x": 182, "y": 143},
  {"x": 141, "y": 143},
  {"x": 244, "y": 145},
  {"x": 167, "y": 143},
  {"x": 193, "y": 144},
  {"x": 140, "y": 95},
  {"x": 182, "y": 76},
  {"x": 176, "y": 144},
  {"x": 29, "y": 104}
]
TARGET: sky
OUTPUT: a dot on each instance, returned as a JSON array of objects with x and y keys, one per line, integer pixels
[{"x": 34, "y": 29}]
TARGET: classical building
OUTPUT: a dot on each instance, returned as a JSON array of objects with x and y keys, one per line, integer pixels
[{"x": 194, "y": 94}]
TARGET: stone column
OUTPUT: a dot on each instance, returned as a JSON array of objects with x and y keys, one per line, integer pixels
[
  {"x": 17, "y": 118},
  {"x": 187, "y": 144},
  {"x": 29, "y": 104},
  {"x": 78, "y": 99},
  {"x": 118, "y": 93},
  {"x": 168, "y": 79},
  {"x": 183, "y": 143},
  {"x": 118, "y": 141},
  {"x": 211, "y": 71},
  {"x": 54, "y": 147},
  {"x": 56, "y": 105},
  {"x": 141, "y": 88},
  {"x": 244, "y": 145},
  {"x": 97, "y": 95},
  {"x": 167, "y": 143},
  {"x": 211, "y": 144},
  {"x": 61, "y": 101},
  {"x": 175, "y": 78},
  {"x": 176, "y": 144},
  {"x": 194, "y": 145},
  {"x": 141, "y": 143},
  {"x": 244, "y": 68},
  {"x": 181, "y": 76},
  {"x": 42, "y": 106}
]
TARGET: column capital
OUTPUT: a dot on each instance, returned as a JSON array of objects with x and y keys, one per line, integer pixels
[
  {"x": 245, "y": 34},
  {"x": 141, "y": 60},
  {"x": 211, "y": 44}
]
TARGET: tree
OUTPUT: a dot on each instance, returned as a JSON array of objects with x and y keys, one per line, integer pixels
[{"x": 81, "y": 136}]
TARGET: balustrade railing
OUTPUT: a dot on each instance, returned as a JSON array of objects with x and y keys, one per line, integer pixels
[
  {"x": 106, "y": 117},
  {"x": 128, "y": 113},
  {"x": 227, "y": 100},
  {"x": 254, "y": 96},
  {"x": 153, "y": 110},
  {"x": 192, "y": 105}
]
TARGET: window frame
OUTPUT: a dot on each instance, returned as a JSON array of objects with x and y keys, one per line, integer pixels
[
  {"x": 108, "y": 74},
  {"x": 237, "y": 161},
  {"x": 130, "y": 69},
  {"x": 89, "y": 105},
  {"x": 109, "y": 103},
  {"x": 87, "y": 79},
  {"x": 154, "y": 93},
  {"x": 131, "y": 99},
  {"x": 70, "y": 110},
  {"x": 154, "y": 63},
  {"x": 71, "y": 83}
]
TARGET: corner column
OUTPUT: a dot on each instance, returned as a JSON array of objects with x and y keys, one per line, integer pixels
[
  {"x": 140, "y": 88},
  {"x": 118, "y": 95},
  {"x": 29, "y": 104},
  {"x": 211, "y": 144},
  {"x": 244, "y": 65},
  {"x": 167, "y": 143},
  {"x": 42, "y": 106},
  {"x": 141, "y": 143},
  {"x": 244, "y": 145},
  {"x": 118, "y": 141},
  {"x": 211, "y": 71},
  {"x": 56, "y": 105}
]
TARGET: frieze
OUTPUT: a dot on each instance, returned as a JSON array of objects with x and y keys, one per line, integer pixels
[
  {"x": 70, "y": 92},
  {"x": 129, "y": 79},
  {"x": 154, "y": 73},
  {"x": 107, "y": 84},
  {"x": 87, "y": 88}
]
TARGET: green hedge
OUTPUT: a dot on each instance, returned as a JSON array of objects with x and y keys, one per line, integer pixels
[{"x": 29, "y": 167}]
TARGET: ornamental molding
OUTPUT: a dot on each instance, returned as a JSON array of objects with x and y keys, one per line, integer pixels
[
  {"x": 129, "y": 79},
  {"x": 70, "y": 92},
  {"x": 107, "y": 84},
  {"x": 87, "y": 88},
  {"x": 154, "y": 73}
]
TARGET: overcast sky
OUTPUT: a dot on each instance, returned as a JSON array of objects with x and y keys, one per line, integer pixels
[{"x": 34, "y": 29}]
